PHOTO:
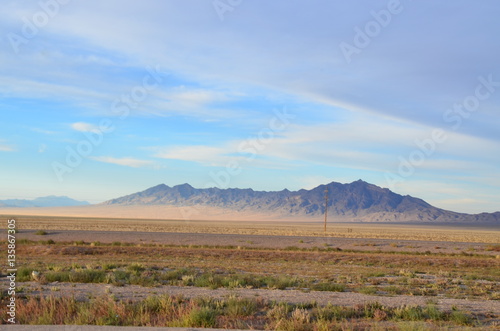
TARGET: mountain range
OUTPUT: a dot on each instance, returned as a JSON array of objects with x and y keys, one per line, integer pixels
[
  {"x": 358, "y": 201},
  {"x": 49, "y": 201}
]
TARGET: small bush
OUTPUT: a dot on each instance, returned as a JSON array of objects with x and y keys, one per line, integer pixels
[
  {"x": 202, "y": 318},
  {"x": 58, "y": 276},
  {"x": 208, "y": 280},
  {"x": 369, "y": 290},
  {"x": 109, "y": 266},
  {"x": 41, "y": 233},
  {"x": 136, "y": 268},
  {"x": 433, "y": 313},
  {"x": 281, "y": 282},
  {"x": 460, "y": 318},
  {"x": 87, "y": 276},
  {"x": 24, "y": 274},
  {"x": 329, "y": 287},
  {"x": 240, "y": 307}
]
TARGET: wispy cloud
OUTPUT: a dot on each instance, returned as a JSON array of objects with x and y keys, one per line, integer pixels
[
  {"x": 226, "y": 155},
  {"x": 207, "y": 155},
  {"x": 42, "y": 148},
  {"x": 6, "y": 147},
  {"x": 84, "y": 127},
  {"x": 126, "y": 161},
  {"x": 43, "y": 131}
]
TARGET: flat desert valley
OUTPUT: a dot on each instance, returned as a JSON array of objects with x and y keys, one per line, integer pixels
[{"x": 266, "y": 274}]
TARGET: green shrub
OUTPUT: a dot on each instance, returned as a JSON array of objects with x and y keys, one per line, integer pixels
[
  {"x": 202, "y": 318},
  {"x": 433, "y": 313},
  {"x": 460, "y": 318},
  {"x": 329, "y": 287},
  {"x": 208, "y": 280},
  {"x": 87, "y": 276},
  {"x": 281, "y": 282},
  {"x": 240, "y": 307},
  {"x": 369, "y": 290},
  {"x": 57, "y": 276},
  {"x": 109, "y": 266},
  {"x": 136, "y": 268},
  {"x": 24, "y": 274}
]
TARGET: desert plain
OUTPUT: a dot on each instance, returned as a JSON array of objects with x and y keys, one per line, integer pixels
[{"x": 263, "y": 274}]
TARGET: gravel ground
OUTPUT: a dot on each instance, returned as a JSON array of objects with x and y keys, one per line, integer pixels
[{"x": 260, "y": 241}]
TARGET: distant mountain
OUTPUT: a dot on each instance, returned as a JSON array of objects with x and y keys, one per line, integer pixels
[
  {"x": 49, "y": 201},
  {"x": 358, "y": 201}
]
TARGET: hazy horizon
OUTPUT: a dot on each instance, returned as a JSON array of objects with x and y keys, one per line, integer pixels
[{"x": 105, "y": 99}]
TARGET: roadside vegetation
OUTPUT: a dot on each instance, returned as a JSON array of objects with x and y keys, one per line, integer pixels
[
  {"x": 460, "y": 275},
  {"x": 234, "y": 312}
]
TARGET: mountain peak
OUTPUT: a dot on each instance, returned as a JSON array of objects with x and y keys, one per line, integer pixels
[
  {"x": 356, "y": 201},
  {"x": 183, "y": 186}
]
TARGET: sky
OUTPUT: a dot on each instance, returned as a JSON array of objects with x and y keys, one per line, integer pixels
[{"x": 100, "y": 99}]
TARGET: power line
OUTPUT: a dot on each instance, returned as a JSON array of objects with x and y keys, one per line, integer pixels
[{"x": 326, "y": 205}]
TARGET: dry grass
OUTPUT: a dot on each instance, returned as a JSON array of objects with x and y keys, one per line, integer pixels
[
  {"x": 452, "y": 275},
  {"x": 461, "y": 274},
  {"x": 233, "y": 312}
]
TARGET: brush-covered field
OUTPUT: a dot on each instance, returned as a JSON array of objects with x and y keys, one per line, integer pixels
[{"x": 255, "y": 275}]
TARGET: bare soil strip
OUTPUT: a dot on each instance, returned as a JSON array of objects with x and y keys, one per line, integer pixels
[
  {"x": 474, "y": 233},
  {"x": 258, "y": 241}
]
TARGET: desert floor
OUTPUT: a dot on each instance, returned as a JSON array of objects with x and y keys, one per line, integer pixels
[{"x": 454, "y": 268}]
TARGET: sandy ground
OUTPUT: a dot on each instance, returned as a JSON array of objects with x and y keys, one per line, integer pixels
[
  {"x": 149, "y": 212},
  {"x": 258, "y": 241}
]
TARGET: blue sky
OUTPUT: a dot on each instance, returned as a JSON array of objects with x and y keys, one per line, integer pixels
[{"x": 268, "y": 95}]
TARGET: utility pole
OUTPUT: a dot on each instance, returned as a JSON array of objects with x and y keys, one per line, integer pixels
[{"x": 326, "y": 205}]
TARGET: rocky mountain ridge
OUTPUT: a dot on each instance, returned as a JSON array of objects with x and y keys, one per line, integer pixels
[{"x": 357, "y": 201}]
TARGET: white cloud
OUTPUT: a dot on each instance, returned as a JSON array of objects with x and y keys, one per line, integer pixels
[
  {"x": 126, "y": 161},
  {"x": 47, "y": 132},
  {"x": 208, "y": 155},
  {"x": 33, "y": 88},
  {"x": 6, "y": 147},
  {"x": 42, "y": 148},
  {"x": 84, "y": 127},
  {"x": 195, "y": 97},
  {"x": 220, "y": 156}
]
